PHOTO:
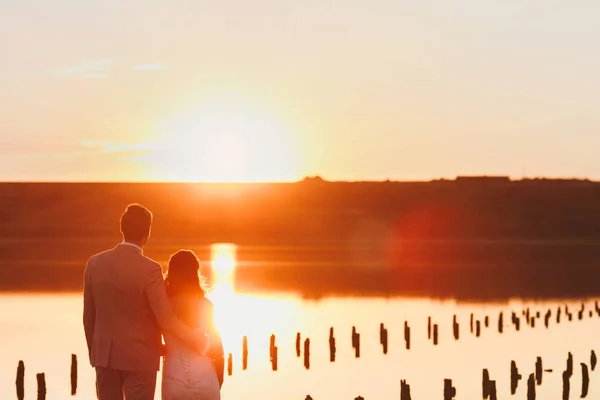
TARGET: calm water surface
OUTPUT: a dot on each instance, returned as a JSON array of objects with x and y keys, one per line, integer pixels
[{"x": 44, "y": 330}]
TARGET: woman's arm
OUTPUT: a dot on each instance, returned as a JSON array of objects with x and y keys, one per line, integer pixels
[{"x": 216, "y": 351}]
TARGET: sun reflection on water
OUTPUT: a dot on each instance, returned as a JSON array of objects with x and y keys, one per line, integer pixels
[{"x": 237, "y": 315}]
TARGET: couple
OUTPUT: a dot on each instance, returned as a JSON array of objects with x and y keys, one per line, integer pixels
[{"x": 128, "y": 307}]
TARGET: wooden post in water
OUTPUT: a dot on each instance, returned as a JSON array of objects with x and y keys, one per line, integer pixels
[
  {"x": 383, "y": 338},
  {"x": 20, "y": 381},
  {"x": 298, "y": 344},
  {"x": 73, "y": 374},
  {"x": 41, "y": 386},
  {"x": 531, "y": 387},
  {"x": 435, "y": 334},
  {"x": 307, "y": 353},
  {"x": 359, "y": 398},
  {"x": 308, "y": 397},
  {"x": 567, "y": 377},
  {"x": 485, "y": 384},
  {"x": 404, "y": 390},
  {"x": 585, "y": 380},
  {"x": 514, "y": 377},
  {"x": 593, "y": 360},
  {"x": 407, "y": 335},
  {"x": 477, "y": 328},
  {"x": 538, "y": 371},
  {"x": 471, "y": 323},
  {"x": 331, "y": 345},
  {"x": 356, "y": 342},
  {"x": 558, "y": 311},
  {"x": 493, "y": 395},
  {"x": 273, "y": 353},
  {"x": 449, "y": 390},
  {"x": 429, "y": 328},
  {"x": 486, "y": 321},
  {"x": 517, "y": 321},
  {"x": 455, "y": 327},
  {"x": 597, "y": 307},
  {"x": 501, "y": 323},
  {"x": 547, "y": 318},
  {"x": 229, "y": 364},
  {"x": 245, "y": 352},
  {"x": 527, "y": 316}
]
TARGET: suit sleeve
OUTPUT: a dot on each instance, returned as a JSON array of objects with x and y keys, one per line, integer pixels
[
  {"x": 161, "y": 307},
  {"x": 89, "y": 308}
]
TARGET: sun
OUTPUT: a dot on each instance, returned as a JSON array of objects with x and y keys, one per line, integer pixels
[{"x": 227, "y": 141}]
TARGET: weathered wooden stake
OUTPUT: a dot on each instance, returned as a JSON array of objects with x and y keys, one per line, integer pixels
[
  {"x": 73, "y": 374},
  {"x": 585, "y": 380},
  {"x": 558, "y": 312},
  {"x": 477, "y": 328},
  {"x": 593, "y": 360},
  {"x": 244, "y": 353},
  {"x": 547, "y": 318},
  {"x": 580, "y": 313},
  {"x": 501, "y": 323},
  {"x": 383, "y": 338},
  {"x": 41, "y": 386},
  {"x": 486, "y": 321},
  {"x": 538, "y": 371},
  {"x": 567, "y": 377},
  {"x": 407, "y": 335},
  {"x": 471, "y": 323},
  {"x": 515, "y": 377},
  {"x": 273, "y": 353},
  {"x": 307, "y": 353},
  {"x": 229, "y": 364},
  {"x": 435, "y": 334},
  {"x": 356, "y": 342},
  {"x": 429, "y": 328},
  {"x": 455, "y": 327},
  {"x": 493, "y": 395},
  {"x": 485, "y": 384},
  {"x": 20, "y": 381},
  {"x": 404, "y": 390},
  {"x": 449, "y": 390},
  {"x": 331, "y": 345},
  {"x": 298, "y": 344},
  {"x": 531, "y": 387}
]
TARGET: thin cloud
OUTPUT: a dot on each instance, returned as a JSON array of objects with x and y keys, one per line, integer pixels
[
  {"x": 147, "y": 67},
  {"x": 116, "y": 147},
  {"x": 91, "y": 69}
]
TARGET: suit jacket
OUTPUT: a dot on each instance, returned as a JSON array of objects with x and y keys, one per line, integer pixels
[{"x": 126, "y": 309}]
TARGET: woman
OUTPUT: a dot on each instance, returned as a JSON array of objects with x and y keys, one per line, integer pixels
[{"x": 187, "y": 375}]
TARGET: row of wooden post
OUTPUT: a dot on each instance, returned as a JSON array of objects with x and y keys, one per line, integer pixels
[
  {"x": 534, "y": 379},
  {"x": 432, "y": 333},
  {"x": 41, "y": 380}
]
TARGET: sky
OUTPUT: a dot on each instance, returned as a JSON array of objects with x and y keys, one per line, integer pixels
[{"x": 278, "y": 90}]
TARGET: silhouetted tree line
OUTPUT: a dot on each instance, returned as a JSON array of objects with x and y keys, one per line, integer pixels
[{"x": 460, "y": 230}]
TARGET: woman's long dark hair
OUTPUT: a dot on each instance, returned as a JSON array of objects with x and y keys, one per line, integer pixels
[{"x": 183, "y": 275}]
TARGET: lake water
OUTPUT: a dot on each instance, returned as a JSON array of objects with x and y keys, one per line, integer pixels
[{"x": 44, "y": 330}]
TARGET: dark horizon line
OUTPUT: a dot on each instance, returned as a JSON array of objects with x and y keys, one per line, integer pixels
[{"x": 506, "y": 178}]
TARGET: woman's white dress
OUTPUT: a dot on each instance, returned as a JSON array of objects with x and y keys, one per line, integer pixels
[{"x": 187, "y": 375}]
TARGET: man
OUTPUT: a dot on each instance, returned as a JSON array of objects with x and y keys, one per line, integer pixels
[{"x": 125, "y": 312}]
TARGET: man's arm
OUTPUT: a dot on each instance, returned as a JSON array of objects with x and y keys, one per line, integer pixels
[
  {"x": 156, "y": 294},
  {"x": 89, "y": 308}
]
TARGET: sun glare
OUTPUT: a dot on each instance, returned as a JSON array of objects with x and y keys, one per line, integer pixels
[{"x": 227, "y": 141}]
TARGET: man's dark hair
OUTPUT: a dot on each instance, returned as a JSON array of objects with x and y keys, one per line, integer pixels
[{"x": 136, "y": 222}]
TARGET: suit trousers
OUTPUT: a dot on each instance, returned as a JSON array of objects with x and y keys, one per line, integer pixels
[{"x": 112, "y": 384}]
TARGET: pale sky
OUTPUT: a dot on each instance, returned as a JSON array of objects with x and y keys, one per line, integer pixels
[{"x": 276, "y": 90}]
